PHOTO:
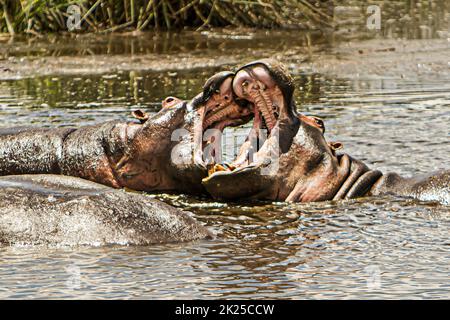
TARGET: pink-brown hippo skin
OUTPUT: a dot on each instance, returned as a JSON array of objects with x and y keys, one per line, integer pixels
[
  {"x": 163, "y": 152},
  {"x": 295, "y": 162}
]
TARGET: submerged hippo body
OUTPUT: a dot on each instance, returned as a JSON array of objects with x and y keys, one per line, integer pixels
[
  {"x": 427, "y": 187},
  {"x": 296, "y": 163},
  {"x": 61, "y": 210},
  {"x": 162, "y": 153}
]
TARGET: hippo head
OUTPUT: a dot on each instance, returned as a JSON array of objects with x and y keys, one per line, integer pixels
[
  {"x": 294, "y": 162},
  {"x": 171, "y": 149},
  {"x": 205, "y": 118}
]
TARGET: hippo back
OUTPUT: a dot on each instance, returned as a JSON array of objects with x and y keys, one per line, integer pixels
[{"x": 61, "y": 210}]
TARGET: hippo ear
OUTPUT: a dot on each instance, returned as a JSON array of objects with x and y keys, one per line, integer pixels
[
  {"x": 140, "y": 115},
  {"x": 170, "y": 102}
]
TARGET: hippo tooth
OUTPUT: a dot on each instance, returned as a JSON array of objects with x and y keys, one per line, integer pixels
[
  {"x": 261, "y": 101},
  {"x": 270, "y": 115},
  {"x": 221, "y": 114}
]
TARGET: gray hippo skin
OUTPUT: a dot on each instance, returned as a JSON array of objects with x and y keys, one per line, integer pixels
[
  {"x": 61, "y": 210},
  {"x": 296, "y": 163},
  {"x": 142, "y": 156}
]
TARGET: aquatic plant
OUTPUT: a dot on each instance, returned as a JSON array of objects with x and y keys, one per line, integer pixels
[
  {"x": 36, "y": 16},
  {"x": 39, "y": 16}
]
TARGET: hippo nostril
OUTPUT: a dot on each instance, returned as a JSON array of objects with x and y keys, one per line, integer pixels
[
  {"x": 320, "y": 123},
  {"x": 226, "y": 97}
]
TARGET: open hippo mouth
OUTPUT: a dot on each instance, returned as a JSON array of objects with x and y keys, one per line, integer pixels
[
  {"x": 295, "y": 162},
  {"x": 221, "y": 109},
  {"x": 218, "y": 109},
  {"x": 266, "y": 89}
]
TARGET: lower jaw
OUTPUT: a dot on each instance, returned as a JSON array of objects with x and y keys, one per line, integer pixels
[
  {"x": 259, "y": 131},
  {"x": 246, "y": 159}
]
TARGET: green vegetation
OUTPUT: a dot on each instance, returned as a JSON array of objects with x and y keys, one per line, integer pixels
[
  {"x": 40, "y": 16},
  {"x": 37, "y": 16}
]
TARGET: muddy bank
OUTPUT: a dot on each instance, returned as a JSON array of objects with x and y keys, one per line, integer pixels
[
  {"x": 18, "y": 68},
  {"x": 383, "y": 58},
  {"x": 22, "y": 57},
  {"x": 361, "y": 59}
]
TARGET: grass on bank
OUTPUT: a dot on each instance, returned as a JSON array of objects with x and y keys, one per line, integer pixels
[{"x": 38, "y": 16}]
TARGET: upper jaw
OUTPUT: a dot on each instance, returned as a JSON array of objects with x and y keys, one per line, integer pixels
[
  {"x": 262, "y": 89},
  {"x": 268, "y": 88},
  {"x": 215, "y": 109},
  {"x": 217, "y": 105}
]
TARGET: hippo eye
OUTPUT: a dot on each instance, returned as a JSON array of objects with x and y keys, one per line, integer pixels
[
  {"x": 244, "y": 84},
  {"x": 217, "y": 91},
  {"x": 226, "y": 97},
  {"x": 168, "y": 100}
]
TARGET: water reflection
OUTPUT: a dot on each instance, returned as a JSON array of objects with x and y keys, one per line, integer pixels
[
  {"x": 365, "y": 248},
  {"x": 415, "y": 19},
  {"x": 230, "y": 42},
  {"x": 274, "y": 251}
]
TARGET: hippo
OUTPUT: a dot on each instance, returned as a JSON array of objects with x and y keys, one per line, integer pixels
[
  {"x": 163, "y": 152},
  {"x": 295, "y": 163},
  {"x": 60, "y": 210}
]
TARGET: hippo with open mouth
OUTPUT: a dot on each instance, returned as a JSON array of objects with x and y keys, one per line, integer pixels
[
  {"x": 161, "y": 153},
  {"x": 61, "y": 210},
  {"x": 296, "y": 163}
]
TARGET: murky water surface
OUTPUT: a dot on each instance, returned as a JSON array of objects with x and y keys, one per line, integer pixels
[{"x": 366, "y": 248}]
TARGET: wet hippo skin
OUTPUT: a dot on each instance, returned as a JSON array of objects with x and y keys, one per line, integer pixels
[
  {"x": 296, "y": 163},
  {"x": 61, "y": 210},
  {"x": 142, "y": 155}
]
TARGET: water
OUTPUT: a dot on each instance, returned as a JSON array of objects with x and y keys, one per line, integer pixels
[{"x": 367, "y": 248}]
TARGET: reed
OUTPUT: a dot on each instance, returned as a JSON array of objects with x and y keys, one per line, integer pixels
[{"x": 38, "y": 16}]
